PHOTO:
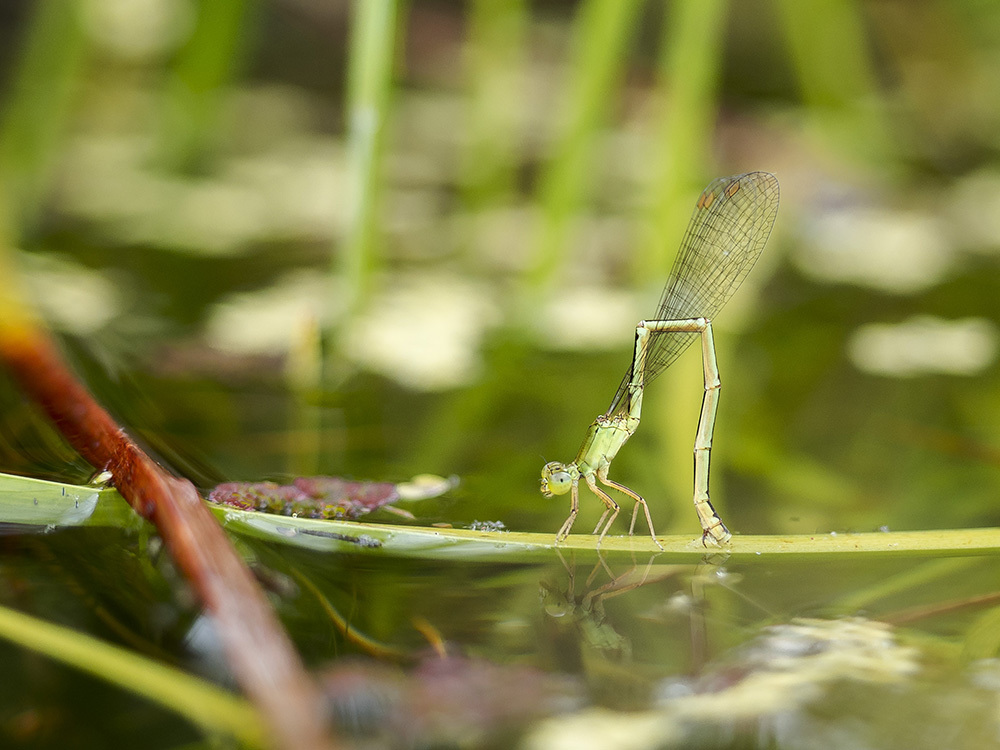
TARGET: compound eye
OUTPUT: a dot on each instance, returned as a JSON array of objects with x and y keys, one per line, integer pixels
[
  {"x": 562, "y": 481},
  {"x": 556, "y": 480}
]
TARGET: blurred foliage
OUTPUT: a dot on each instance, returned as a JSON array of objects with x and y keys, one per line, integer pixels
[{"x": 379, "y": 238}]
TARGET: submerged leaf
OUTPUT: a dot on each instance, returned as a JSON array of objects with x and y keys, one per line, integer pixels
[{"x": 449, "y": 701}]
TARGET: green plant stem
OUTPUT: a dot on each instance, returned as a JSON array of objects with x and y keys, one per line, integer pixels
[
  {"x": 37, "y": 502},
  {"x": 202, "y": 703},
  {"x": 687, "y": 94},
  {"x": 464, "y": 544},
  {"x": 198, "y": 80},
  {"x": 36, "y": 109},
  {"x": 494, "y": 52},
  {"x": 371, "y": 55},
  {"x": 828, "y": 46},
  {"x": 601, "y": 33}
]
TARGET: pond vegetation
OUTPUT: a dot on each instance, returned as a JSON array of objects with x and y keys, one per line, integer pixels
[{"x": 377, "y": 240}]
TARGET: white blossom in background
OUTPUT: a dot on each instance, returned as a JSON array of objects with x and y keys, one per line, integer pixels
[
  {"x": 893, "y": 251},
  {"x": 72, "y": 298},
  {"x": 584, "y": 318},
  {"x": 973, "y": 206},
  {"x": 924, "y": 345},
  {"x": 424, "y": 330},
  {"x": 138, "y": 29},
  {"x": 266, "y": 321},
  {"x": 290, "y": 192}
]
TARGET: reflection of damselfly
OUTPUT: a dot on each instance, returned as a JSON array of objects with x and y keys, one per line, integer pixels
[
  {"x": 585, "y": 610},
  {"x": 730, "y": 225}
]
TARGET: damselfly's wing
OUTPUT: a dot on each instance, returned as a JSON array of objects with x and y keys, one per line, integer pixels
[{"x": 729, "y": 227}]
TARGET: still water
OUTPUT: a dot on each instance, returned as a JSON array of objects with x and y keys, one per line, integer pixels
[
  {"x": 637, "y": 650},
  {"x": 629, "y": 651},
  {"x": 633, "y": 650}
]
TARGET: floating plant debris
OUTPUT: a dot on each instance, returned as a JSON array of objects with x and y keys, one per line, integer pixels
[{"x": 322, "y": 497}]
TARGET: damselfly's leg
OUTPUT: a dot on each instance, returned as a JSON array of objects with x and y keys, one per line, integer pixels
[
  {"x": 574, "y": 508},
  {"x": 711, "y": 525},
  {"x": 603, "y": 476},
  {"x": 610, "y": 508}
]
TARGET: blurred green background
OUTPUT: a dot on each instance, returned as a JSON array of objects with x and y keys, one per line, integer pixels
[
  {"x": 376, "y": 239},
  {"x": 294, "y": 237}
]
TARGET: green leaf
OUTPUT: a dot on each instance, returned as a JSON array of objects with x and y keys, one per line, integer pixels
[{"x": 38, "y": 503}]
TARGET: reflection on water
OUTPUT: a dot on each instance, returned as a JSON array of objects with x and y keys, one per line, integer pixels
[
  {"x": 645, "y": 654},
  {"x": 624, "y": 654},
  {"x": 792, "y": 686}
]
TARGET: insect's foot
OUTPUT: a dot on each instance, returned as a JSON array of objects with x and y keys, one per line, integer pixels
[
  {"x": 719, "y": 535},
  {"x": 655, "y": 540}
]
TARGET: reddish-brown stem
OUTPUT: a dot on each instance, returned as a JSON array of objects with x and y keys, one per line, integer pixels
[{"x": 258, "y": 649}]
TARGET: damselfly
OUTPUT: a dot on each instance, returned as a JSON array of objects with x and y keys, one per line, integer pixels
[{"x": 730, "y": 225}]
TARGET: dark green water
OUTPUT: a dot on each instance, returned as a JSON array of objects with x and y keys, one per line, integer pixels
[
  {"x": 144, "y": 214},
  {"x": 777, "y": 654}
]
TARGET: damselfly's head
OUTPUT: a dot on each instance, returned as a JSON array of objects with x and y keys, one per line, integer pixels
[{"x": 557, "y": 478}]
